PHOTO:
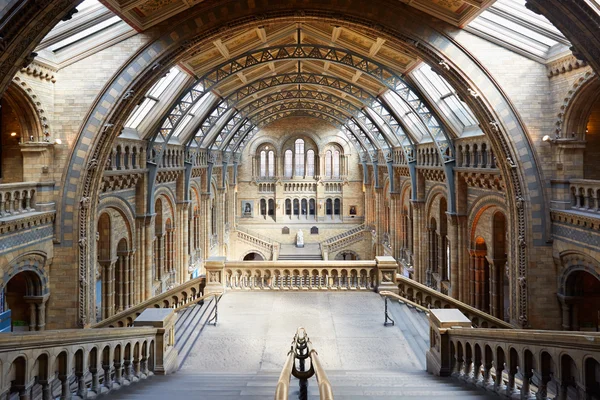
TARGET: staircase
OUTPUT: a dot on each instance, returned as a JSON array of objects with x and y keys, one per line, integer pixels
[
  {"x": 241, "y": 357},
  {"x": 310, "y": 252}
]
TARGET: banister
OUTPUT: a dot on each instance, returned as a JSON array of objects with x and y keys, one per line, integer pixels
[
  {"x": 283, "y": 384},
  {"x": 386, "y": 293},
  {"x": 464, "y": 308},
  {"x": 302, "y": 349},
  {"x": 132, "y": 312},
  {"x": 325, "y": 389}
]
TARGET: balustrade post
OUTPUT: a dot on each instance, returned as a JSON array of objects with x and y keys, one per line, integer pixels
[
  {"x": 526, "y": 386},
  {"x": 542, "y": 392},
  {"x": 127, "y": 369},
  {"x": 119, "y": 373},
  {"x": 439, "y": 357},
  {"x": 487, "y": 381},
  {"x": 65, "y": 387},
  {"x": 214, "y": 274},
  {"x": 81, "y": 386},
  {"x": 95, "y": 380},
  {"x": 511, "y": 387},
  {"x": 46, "y": 392},
  {"x": 24, "y": 393},
  {"x": 107, "y": 376},
  {"x": 386, "y": 274},
  {"x": 163, "y": 320},
  {"x": 499, "y": 386}
]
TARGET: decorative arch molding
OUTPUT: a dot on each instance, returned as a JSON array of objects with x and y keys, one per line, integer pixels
[
  {"x": 32, "y": 114},
  {"x": 260, "y": 141},
  {"x": 505, "y": 129},
  {"x": 260, "y": 253},
  {"x": 573, "y": 261},
  {"x": 477, "y": 209},
  {"x": 167, "y": 193},
  {"x": 124, "y": 208},
  {"x": 33, "y": 262},
  {"x": 576, "y": 107},
  {"x": 339, "y": 254},
  {"x": 436, "y": 191}
]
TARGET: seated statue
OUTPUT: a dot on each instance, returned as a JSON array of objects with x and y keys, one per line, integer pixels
[{"x": 299, "y": 238}]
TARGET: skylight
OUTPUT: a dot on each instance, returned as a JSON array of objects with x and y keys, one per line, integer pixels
[
  {"x": 410, "y": 119},
  {"x": 439, "y": 91},
  {"x": 510, "y": 24}
]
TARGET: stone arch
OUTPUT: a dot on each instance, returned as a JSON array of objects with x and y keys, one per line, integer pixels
[
  {"x": 260, "y": 253},
  {"x": 425, "y": 40},
  {"x": 479, "y": 206},
  {"x": 576, "y": 106},
  {"x": 34, "y": 262},
  {"x": 31, "y": 110},
  {"x": 575, "y": 261},
  {"x": 123, "y": 208}
]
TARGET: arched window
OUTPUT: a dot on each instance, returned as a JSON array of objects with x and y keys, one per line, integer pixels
[
  {"x": 328, "y": 207},
  {"x": 304, "y": 207},
  {"x": 296, "y": 207},
  {"x": 310, "y": 163},
  {"x": 271, "y": 164},
  {"x": 263, "y": 207},
  {"x": 288, "y": 163},
  {"x": 336, "y": 164},
  {"x": 288, "y": 207},
  {"x": 311, "y": 206},
  {"x": 336, "y": 207},
  {"x": 299, "y": 145},
  {"x": 328, "y": 163},
  {"x": 263, "y": 164}
]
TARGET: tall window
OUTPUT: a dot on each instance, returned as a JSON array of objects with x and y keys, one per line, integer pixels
[
  {"x": 336, "y": 164},
  {"x": 328, "y": 163},
  {"x": 288, "y": 163},
  {"x": 299, "y": 157},
  {"x": 310, "y": 163},
  {"x": 271, "y": 164},
  {"x": 263, "y": 164}
]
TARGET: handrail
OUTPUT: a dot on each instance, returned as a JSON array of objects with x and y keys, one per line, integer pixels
[
  {"x": 325, "y": 389},
  {"x": 283, "y": 384},
  {"x": 196, "y": 300},
  {"x": 393, "y": 295},
  {"x": 132, "y": 312},
  {"x": 302, "y": 349},
  {"x": 256, "y": 235},
  {"x": 466, "y": 309}
]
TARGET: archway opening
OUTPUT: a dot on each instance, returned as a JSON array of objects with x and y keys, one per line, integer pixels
[
  {"x": 591, "y": 167},
  {"x": 500, "y": 281},
  {"x": 582, "y": 295},
  {"x": 253, "y": 257},
  {"x": 22, "y": 295}
]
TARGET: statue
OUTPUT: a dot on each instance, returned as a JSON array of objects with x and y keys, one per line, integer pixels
[{"x": 299, "y": 238}]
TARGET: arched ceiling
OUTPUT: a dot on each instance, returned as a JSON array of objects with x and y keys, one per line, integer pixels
[{"x": 308, "y": 62}]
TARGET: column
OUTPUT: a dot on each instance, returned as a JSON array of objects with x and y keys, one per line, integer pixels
[
  {"x": 119, "y": 274},
  {"x": 41, "y": 311},
  {"x": 453, "y": 238},
  {"x": 418, "y": 254},
  {"x": 149, "y": 236},
  {"x": 131, "y": 290},
  {"x": 186, "y": 245},
  {"x": 472, "y": 262}
]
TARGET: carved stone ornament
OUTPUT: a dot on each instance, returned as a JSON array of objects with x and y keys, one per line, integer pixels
[{"x": 495, "y": 126}]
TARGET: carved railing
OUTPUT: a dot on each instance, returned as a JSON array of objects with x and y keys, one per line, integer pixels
[
  {"x": 475, "y": 153},
  {"x": 187, "y": 293},
  {"x": 430, "y": 298},
  {"x": 254, "y": 241},
  {"x": 300, "y": 275},
  {"x": 343, "y": 240},
  {"x": 585, "y": 195},
  {"x": 85, "y": 362},
  {"x": 516, "y": 363},
  {"x": 17, "y": 199}
]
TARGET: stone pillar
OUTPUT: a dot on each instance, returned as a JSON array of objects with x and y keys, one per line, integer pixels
[
  {"x": 149, "y": 236},
  {"x": 185, "y": 243},
  {"x": 418, "y": 223},
  {"x": 439, "y": 357},
  {"x": 215, "y": 281},
  {"x": 119, "y": 285},
  {"x": 165, "y": 354},
  {"x": 453, "y": 238},
  {"x": 386, "y": 274}
]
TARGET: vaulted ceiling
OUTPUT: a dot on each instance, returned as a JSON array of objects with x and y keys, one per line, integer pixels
[{"x": 143, "y": 14}]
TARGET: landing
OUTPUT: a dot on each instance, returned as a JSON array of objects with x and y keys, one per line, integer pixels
[{"x": 255, "y": 331}]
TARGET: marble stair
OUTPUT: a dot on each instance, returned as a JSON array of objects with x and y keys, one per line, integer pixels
[{"x": 310, "y": 251}]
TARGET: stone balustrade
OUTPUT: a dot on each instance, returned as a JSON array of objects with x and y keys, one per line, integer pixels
[
  {"x": 585, "y": 195},
  {"x": 185, "y": 294},
  {"x": 475, "y": 153},
  {"x": 127, "y": 155},
  {"x": 301, "y": 275},
  {"x": 255, "y": 241},
  {"x": 21, "y": 198},
  {"x": 342, "y": 240},
  {"x": 86, "y": 363},
  {"x": 431, "y": 298},
  {"x": 515, "y": 363}
]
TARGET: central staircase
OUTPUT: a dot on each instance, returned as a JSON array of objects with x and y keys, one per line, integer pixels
[
  {"x": 310, "y": 252},
  {"x": 215, "y": 361}
]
